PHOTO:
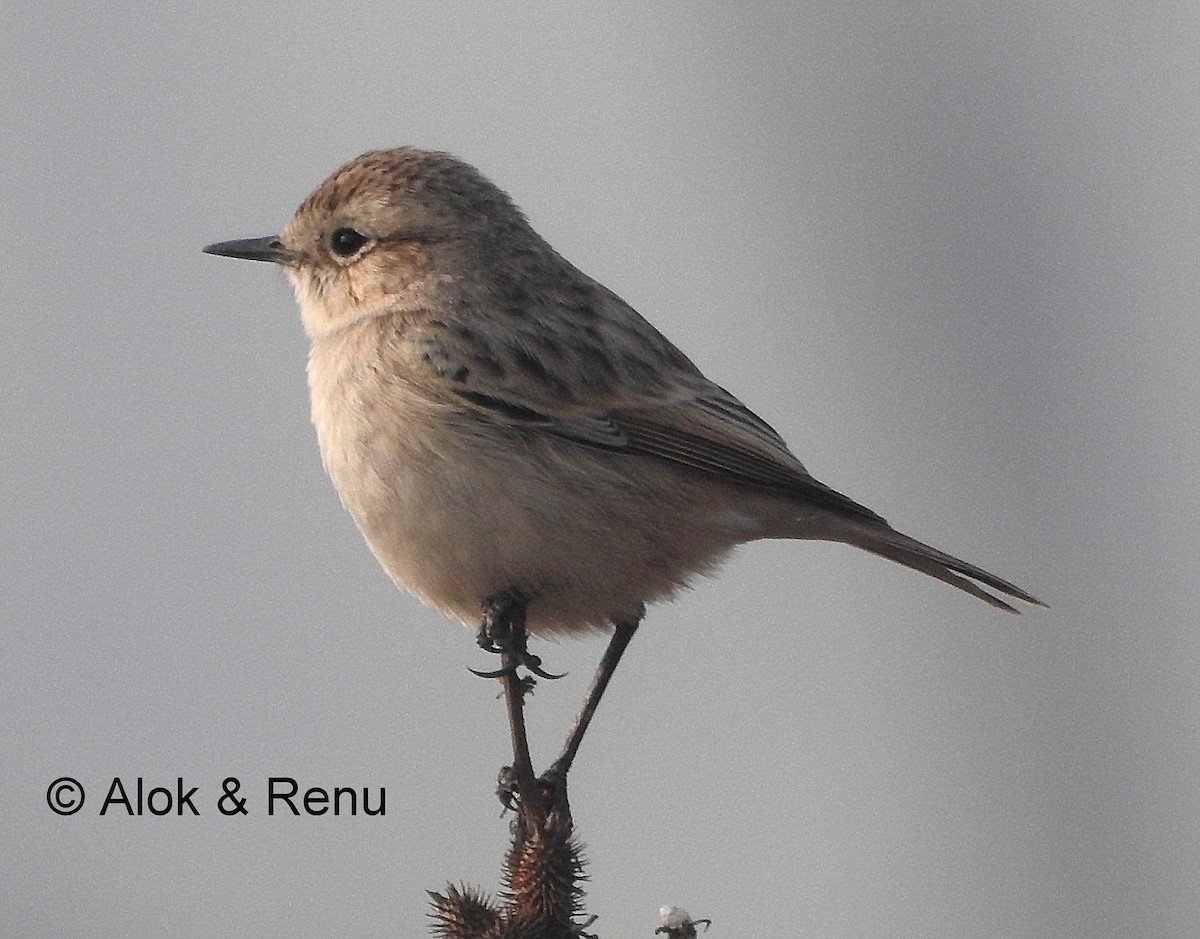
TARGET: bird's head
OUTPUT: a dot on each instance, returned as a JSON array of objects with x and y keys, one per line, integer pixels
[{"x": 389, "y": 232}]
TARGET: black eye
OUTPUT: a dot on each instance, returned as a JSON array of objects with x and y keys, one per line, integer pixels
[{"x": 345, "y": 241}]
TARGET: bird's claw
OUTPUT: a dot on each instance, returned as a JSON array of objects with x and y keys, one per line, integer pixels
[
  {"x": 498, "y": 673},
  {"x": 523, "y": 660},
  {"x": 503, "y": 632},
  {"x": 506, "y": 790},
  {"x": 535, "y": 666}
]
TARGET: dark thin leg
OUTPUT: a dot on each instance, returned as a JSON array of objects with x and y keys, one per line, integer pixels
[
  {"x": 503, "y": 631},
  {"x": 514, "y": 697},
  {"x": 622, "y": 634}
]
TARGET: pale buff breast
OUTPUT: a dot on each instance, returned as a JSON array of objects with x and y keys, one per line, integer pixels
[{"x": 457, "y": 510}]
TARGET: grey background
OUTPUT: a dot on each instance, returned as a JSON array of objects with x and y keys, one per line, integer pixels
[{"x": 949, "y": 251}]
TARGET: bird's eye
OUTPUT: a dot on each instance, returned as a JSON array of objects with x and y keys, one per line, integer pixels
[{"x": 345, "y": 241}]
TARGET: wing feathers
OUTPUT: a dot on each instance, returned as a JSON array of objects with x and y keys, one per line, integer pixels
[
  {"x": 716, "y": 435},
  {"x": 720, "y": 436}
]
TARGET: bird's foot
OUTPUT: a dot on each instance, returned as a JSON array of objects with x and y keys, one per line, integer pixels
[
  {"x": 503, "y": 632},
  {"x": 551, "y": 785},
  {"x": 526, "y": 660},
  {"x": 506, "y": 790}
]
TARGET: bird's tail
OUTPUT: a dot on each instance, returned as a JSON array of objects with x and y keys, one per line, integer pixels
[{"x": 889, "y": 543}]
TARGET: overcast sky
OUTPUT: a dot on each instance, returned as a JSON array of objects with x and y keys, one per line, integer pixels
[{"x": 949, "y": 251}]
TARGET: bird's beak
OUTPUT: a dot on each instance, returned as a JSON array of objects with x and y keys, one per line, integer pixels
[{"x": 269, "y": 248}]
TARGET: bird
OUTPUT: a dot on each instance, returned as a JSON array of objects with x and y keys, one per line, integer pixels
[{"x": 512, "y": 438}]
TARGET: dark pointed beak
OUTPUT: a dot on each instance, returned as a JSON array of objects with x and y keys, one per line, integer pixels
[{"x": 269, "y": 248}]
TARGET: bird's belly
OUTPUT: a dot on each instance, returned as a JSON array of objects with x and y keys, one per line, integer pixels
[{"x": 456, "y": 517}]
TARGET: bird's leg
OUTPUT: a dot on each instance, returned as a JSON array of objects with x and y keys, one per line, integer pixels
[
  {"x": 622, "y": 634},
  {"x": 503, "y": 631},
  {"x": 521, "y": 772},
  {"x": 503, "y": 615}
]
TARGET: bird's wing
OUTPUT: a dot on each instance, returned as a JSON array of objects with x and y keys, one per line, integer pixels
[
  {"x": 612, "y": 382},
  {"x": 648, "y": 400},
  {"x": 707, "y": 430}
]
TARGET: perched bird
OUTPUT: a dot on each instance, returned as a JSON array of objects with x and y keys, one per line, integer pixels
[{"x": 506, "y": 431}]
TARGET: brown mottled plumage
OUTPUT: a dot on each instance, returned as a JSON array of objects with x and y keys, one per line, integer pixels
[{"x": 495, "y": 420}]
